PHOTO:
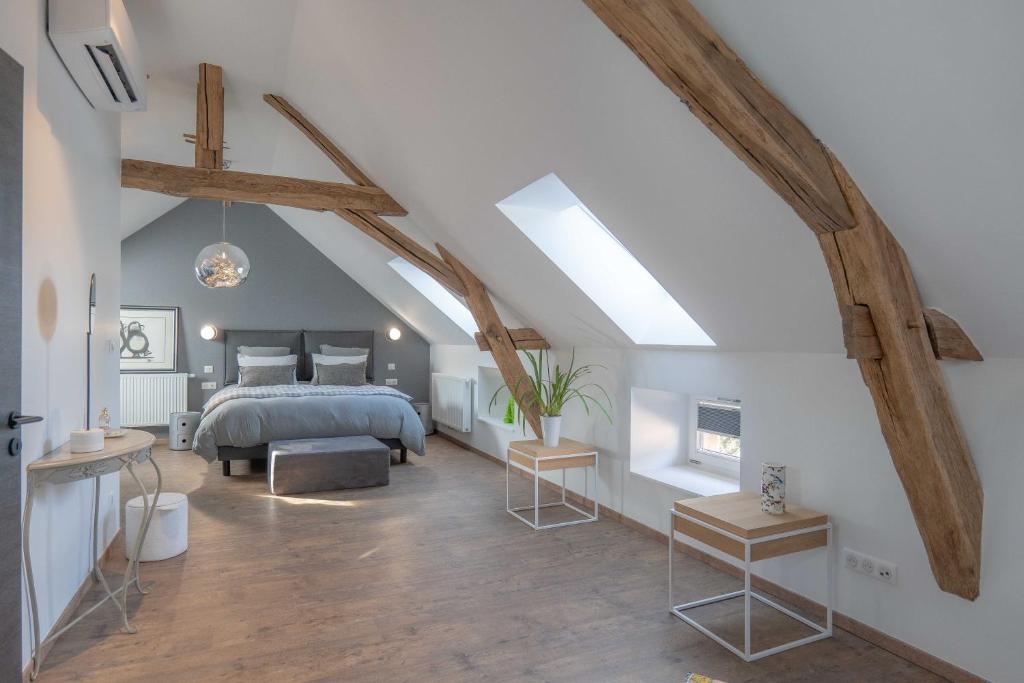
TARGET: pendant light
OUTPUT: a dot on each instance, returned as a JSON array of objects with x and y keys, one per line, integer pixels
[{"x": 222, "y": 264}]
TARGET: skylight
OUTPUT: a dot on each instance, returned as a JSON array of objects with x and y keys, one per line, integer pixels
[
  {"x": 563, "y": 228},
  {"x": 436, "y": 294}
]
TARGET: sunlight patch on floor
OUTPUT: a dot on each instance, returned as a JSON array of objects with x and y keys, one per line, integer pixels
[{"x": 309, "y": 501}]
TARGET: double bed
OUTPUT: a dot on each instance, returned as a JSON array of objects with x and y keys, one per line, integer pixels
[{"x": 237, "y": 423}]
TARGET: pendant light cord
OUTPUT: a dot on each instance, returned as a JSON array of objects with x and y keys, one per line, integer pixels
[{"x": 223, "y": 221}]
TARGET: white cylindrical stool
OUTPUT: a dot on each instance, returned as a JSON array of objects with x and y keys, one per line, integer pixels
[{"x": 168, "y": 531}]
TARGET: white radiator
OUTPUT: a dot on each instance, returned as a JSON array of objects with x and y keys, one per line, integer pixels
[
  {"x": 148, "y": 399},
  {"x": 452, "y": 401}
]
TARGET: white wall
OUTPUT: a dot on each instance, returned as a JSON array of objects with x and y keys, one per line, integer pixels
[
  {"x": 839, "y": 464},
  {"x": 71, "y": 229}
]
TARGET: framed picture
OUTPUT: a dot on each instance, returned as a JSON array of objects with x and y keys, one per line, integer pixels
[{"x": 149, "y": 338}]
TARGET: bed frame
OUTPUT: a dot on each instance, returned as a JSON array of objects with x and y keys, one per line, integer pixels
[{"x": 302, "y": 343}]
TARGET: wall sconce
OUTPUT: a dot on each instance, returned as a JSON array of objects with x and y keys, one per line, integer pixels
[
  {"x": 394, "y": 334},
  {"x": 208, "y": 332}
]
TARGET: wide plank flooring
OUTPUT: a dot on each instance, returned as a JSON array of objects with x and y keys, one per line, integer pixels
[{"x": 428, "y": 579}]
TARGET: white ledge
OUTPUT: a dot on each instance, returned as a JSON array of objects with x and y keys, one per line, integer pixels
[{"x": 691, "y": 480}]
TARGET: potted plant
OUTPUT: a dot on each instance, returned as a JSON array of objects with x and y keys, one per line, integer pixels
[{"x": 550, "y": 390}]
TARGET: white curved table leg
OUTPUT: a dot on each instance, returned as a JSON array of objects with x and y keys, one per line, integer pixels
[
  {"x": 146, "y": 521},
  {"x": 97, "y": 571},
  {"x": 133, "y": 558},
  {"x": 33, "y": 607}
]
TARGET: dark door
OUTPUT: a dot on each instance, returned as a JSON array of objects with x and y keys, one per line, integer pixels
[{"x": 10, "y": 367}]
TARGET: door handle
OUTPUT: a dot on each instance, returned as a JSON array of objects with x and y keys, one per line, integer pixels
[{"x": 15, "y": 420}]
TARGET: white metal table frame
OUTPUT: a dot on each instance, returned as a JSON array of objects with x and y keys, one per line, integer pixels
[
  {"x": 77, "y": 472},
  {"x": 820, "y": 632},
  {"x": 536, "y": 507}
]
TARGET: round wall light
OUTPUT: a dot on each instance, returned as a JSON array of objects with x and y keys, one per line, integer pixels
[
  {"x": 208, "y": 332},
  {"x": 394, "y": 334}
]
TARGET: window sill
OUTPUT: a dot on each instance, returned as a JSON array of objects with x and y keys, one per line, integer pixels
[
  {"x": 497, "y": 422},
  {"x": 691, "y": 480}
]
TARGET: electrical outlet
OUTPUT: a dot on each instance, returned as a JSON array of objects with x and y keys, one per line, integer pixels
[
  {"x": 208, "y": 369},
  {"x": 391, "y": 382},
  {"x": 851, "y": 559},
  {"x": 871, "y": 566},
  {"x": 209, "y": 385},
  {"x": 886, "y": 572},
  {"x": 392, "y": 366}
]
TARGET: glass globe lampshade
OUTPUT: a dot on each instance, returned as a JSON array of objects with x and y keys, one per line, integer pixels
[{"x": 222, "y": 265}]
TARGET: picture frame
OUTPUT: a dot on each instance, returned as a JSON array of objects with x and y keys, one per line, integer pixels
[{"x": 149, "y": 339}]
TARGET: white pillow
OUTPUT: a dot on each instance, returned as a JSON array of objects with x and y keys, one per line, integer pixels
[
  {"x": 252, "y": 361},
  {"x": 335, "y": 360}
]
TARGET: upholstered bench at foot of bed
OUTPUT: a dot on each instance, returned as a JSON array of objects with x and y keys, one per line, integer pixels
[{"x": 343, "y": 462}]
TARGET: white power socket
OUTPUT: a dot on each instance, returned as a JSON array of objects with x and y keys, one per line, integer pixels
[
  {"x": 208, "y": 369},
  {"x": 392, "y": 366},
  {"x": 882, "y": 570},
  {"x": 391, "y": 382},
  {"x": 209, "y": 385}
]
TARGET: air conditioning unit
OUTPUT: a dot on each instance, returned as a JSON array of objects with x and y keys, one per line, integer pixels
[{"x": 94, "y": 39}]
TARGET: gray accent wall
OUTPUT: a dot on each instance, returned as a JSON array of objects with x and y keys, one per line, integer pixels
[{"x": 292, "y": 285}]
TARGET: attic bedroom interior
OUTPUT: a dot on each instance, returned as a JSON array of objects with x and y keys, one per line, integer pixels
[{"x": 511, "y": 340}]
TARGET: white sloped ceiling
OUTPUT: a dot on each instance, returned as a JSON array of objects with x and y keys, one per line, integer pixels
[{"x": 454, "y": 105}]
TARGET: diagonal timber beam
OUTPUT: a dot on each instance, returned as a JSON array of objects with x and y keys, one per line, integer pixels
[
  {"x": 370, "y": 224},
  {"x": 236, "y": 186},
  {"x": 498, "y": 339},
  {"x": 447, "y": 270},
  {"x": 524, "y": 339},
  {"x": 210, "y": 117},
  {"x": 949, "y": 341},
  {"x": 870, "y": 272}
]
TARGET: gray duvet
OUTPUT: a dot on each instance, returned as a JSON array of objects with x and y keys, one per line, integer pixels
[{"x": 250, "y": 416}]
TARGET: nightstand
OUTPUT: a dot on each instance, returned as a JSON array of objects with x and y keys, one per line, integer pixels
[
  {"x": 734, "y": 524},
  {"x": 534, "y": 457}
]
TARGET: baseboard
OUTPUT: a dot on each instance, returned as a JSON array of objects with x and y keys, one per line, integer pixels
[
  {"x": 912, "y": 654},
  {"x": 76, "y": 601}
]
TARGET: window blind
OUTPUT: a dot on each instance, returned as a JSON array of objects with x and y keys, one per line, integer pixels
[{"x": 718, "y": 418}]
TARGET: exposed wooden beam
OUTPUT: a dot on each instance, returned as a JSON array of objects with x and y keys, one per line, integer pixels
[
  {"x": 373, "y": 226},
  {"x": 447, "y": 270},
  {"x": 404, "y": 246},
  {"x": 866, "y": 263},
  {"x": 210, "y": 117},
  {"x": 949, "y": 341},
  {"x": 859, "y": 332},
  {"x": 183, "y": 181},
  {"x": 500, "y": 342},
  {"x": 351, "y": 171},
  {"x": 524, "y": 339},
  {"x": 682, "y": 50}
]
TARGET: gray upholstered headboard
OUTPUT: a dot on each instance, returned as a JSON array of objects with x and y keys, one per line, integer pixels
[
  {"x": 235, "y": 338},
  {"x": 301, "y": 343}
]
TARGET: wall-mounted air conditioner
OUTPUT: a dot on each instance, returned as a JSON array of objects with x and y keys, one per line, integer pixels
[{"x": 94, "y": 38}]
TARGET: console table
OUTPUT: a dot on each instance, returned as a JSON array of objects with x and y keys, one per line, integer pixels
[
  {"x": 62, "y": 466},
  {"x": 534, "y": 457},
  {"x": 734, "y": 524}
]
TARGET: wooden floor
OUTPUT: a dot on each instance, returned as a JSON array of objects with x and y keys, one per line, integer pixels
[{"x": 428, "y": 579}]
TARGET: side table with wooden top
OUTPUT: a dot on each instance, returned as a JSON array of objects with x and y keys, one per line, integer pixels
[
  {"x": 61, "y": 466},
  {"x": 534, "y": 457},
  {"x": 734, "y": 524}
]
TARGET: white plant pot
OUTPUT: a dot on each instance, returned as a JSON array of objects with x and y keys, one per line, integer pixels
[{"x": 552, "y": 427}]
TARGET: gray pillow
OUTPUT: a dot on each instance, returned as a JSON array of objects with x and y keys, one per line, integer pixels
[
  {"x": 345, "y": 374},
  {"x": 266, "y": 375},
  {"x": 328, "y": 350},
  {"x": 264, "y": 351}
]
